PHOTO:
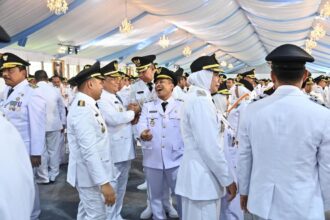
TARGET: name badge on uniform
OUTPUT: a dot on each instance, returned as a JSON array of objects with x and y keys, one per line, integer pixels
[
  {"x": 153, "y": 111},
  {"x": 152, "y": 122},
  {"x": 140, "y": 92},
  {"x": 116, "y": 102}
]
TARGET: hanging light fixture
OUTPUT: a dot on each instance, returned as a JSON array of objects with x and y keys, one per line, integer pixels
[
  {"x": 311, "y": 44},
  {"x": 126, "y": 25},
  {"x": 62, "y": 50},
  {"x": 230, "y": 66},
  {"x": 325, "y": 11},
  {"x": 186, "y": 51},
  {"x": 57, "y": 6},
  {"x": 164, "y": 42},
  {"x": 223, "y": 63},
  {"x": 318, "y": 32}
]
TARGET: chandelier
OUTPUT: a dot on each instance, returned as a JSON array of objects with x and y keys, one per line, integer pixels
[
  {"x": 310, "y": 44},
  {"x": 164, "y": 42},
  {"x": 230, "y": 66},
  {"x": 223, "y": 63},
  {"x": 126, "y": 26},
  {"x": 318, "y": 32},
  {"x": 325, "y": 11},
  {"x": 57, "y": 6},
  {"x": 186, "y": 51}
]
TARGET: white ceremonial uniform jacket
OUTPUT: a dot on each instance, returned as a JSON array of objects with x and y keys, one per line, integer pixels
[
  {"x": 220, "y": 102},
  {"x": 284, "y": 164},
  {"x": 125, "y": 95},
  {"x": 16, "y": 177},
  {"x": 118, "y": 121},
  {"x": 165, "y": 149},
  {"x": 90, "y": 161},
  {"x": 204, "y": 170},
  {"x": 140, "y": 92},
  {"x": 179, "y": 93},
  {"x": 25, "y": 108},
  {"x": 321, "y": 93},
  {"x": 55, "y": 109}
]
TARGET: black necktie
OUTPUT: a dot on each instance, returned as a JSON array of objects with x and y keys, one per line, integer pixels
[
  {"x": 10, "y": 91},
  {"x": 121, "y": 101},
  {"x": 149, "y": 86},
  {"x": 164, "y": 104}
]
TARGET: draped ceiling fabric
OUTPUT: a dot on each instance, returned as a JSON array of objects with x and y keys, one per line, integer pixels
[{"x": 240, "y": 32}]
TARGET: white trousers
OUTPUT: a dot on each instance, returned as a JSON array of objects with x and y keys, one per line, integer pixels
[
  {"x": 231, "y": 210},
  {"x": 36, "y": 205},
  {"x": 200, "y": 210},
  {"x": 123, "y": 170},
  {"x": 50, "y": 157},
  {"x": 155, "y": 181}
]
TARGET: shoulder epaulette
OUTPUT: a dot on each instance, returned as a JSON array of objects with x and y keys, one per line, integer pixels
[
  {"x": 259, "y": 97},
  {"x": 201, "y": 93},
  {"x": 316, "y": 100},
  {"x": 33, "y": 86},
  {"x": 81, "y": 103}
]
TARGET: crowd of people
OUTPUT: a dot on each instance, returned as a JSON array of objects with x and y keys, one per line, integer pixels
[{"x": 224, "y": 148}]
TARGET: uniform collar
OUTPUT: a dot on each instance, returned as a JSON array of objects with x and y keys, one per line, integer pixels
[
  {"x": 287, "y": 89},
  {"x": 169, "y": 106},
  {"x": 21, "y": 84}
]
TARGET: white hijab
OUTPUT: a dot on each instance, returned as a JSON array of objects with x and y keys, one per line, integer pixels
[{"x": 202, "y": 79}]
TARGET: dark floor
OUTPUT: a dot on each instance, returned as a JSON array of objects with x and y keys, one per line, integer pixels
[{"x": 59, "y": 201}]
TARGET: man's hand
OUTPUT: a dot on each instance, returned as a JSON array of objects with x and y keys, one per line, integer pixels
[
  {"x": 136, "y": 119},
  {"x": 232, "y": 190},
  {"x": 35, "y": 160},
  {"x": 244, "y": 201},
  {"x": 108, "y": 194},
  {"x": 134, "y": 107},
  {"x": 146, "y": 135}
]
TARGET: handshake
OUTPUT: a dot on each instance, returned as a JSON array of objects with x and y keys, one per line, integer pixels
[{"x": 137, "y": 110}]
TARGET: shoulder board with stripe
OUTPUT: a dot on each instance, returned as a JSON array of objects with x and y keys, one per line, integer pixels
[
  {"x": 259, "y": 98},
  {"x": 81, "y": 103},
  {"x": 33, "y": 86}
]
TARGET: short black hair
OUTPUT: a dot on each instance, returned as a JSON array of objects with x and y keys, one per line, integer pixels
[
  {"x": 41, "y": 75},
  {"x": 288, "y": 75}
]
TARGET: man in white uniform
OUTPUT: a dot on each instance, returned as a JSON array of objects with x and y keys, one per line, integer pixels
[
  {"x": 162, "y": 145},
  {"x": 204, "y": 171},
  {"x": 144, "y": 90},
  {"x": 25, "y": 108},
  {"x": 118, "y": 120},
  {"x": 179, "y": 91},
  {"x": 55, "y": 124},
  {"x": 90, "y": 167},
  {"x": 284, "y": 144},
  {"x": 16, "y": 185}
]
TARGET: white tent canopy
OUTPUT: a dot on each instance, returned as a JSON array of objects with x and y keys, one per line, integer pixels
[{"x": 240, "y": 32}]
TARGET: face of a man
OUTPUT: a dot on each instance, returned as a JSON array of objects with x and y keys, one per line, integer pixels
[
  {"x": 229, "y": 83},
  {"x": 56, "y": 82},
  {"x": 111, "y": 84},
  {"x": 164, "y": 88},
  {"x": 147, "y": 75},
  {"x": 250, "y": 80},
  {"x": 322, "y": 83},
  {"x": 13, "y": 76},
  {"x": 308, "y": 88},
  {"x": 215, "y": 83},
  {"x": 124, "y": 82},
  {"x": 182, "y": 82},
  {"x": 96, "y": 87}
]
